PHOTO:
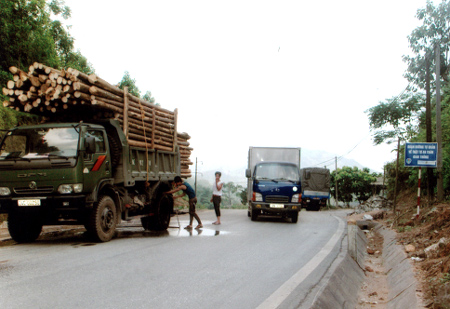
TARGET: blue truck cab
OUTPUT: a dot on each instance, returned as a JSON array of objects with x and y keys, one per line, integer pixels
[{"x": 274, "y": 186}]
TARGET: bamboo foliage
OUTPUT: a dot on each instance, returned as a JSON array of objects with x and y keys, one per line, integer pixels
[{"x": 63, "y": 95}]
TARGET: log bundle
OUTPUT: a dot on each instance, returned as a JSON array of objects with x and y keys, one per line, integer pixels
[{"x": 70, "y": 95}]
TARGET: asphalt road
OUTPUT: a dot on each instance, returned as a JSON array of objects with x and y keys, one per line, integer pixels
[{"x": 239, "y": 264}]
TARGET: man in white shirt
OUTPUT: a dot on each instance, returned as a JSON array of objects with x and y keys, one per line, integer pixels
[{"x": 217, "y": 195}]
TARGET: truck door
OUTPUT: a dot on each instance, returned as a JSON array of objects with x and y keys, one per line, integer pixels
[{"x": 97, "y": 166}]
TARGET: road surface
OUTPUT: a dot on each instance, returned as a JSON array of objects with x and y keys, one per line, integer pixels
[{"x": 239, "y": 264}]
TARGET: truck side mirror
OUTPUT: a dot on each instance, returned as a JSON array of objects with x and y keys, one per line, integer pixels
[
  {"x": 248, "y": 173},
  {"x": 89, "y": 144}
]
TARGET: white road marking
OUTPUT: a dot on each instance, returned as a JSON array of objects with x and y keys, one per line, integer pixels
[{"x": 289, "y": 286}]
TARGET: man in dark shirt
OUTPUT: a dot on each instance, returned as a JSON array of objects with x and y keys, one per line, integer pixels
[{"x": 190, "y": 192}]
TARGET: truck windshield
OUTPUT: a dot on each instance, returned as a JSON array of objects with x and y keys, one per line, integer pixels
[
  {"x": 276, "y": 171},
  {"x": 39, "y": 143}
]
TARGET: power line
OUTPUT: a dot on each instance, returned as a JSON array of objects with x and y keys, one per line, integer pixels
[{"x": 340, "y": 157}]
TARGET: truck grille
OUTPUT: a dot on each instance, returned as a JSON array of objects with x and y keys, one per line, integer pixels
[
  {"x": 277, "y": 199},
  {"x": 38, "y": 190}
]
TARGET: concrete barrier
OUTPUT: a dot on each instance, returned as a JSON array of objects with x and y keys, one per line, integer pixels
[{"x": 344, "y": 284}]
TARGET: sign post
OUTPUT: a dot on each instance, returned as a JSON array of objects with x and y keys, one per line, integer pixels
[{"x": 420, "y": 155}]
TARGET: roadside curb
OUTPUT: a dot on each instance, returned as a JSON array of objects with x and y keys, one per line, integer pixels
[{"x": 341, "y": 290}]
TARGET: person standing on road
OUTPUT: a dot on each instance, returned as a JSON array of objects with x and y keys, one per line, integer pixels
[
  {"x": 190, "y": 192},
  {"x": 217, "y": 195}
]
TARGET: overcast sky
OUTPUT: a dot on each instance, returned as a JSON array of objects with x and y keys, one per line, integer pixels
[{"x": 256, "y": 73}]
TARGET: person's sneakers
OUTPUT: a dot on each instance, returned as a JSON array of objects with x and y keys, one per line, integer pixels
[
  {"x": 189, "y": 227},
  {"x": 198, "y": 226},
  {"x": 216, "y": 223}
]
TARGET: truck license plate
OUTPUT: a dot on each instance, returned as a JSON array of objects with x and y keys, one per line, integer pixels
[
  {"x": 276, "y": 206},
  {"x": 29, "y": 202}
]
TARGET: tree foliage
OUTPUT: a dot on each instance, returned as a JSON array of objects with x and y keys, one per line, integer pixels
[
  {"x": 231, "y": 193},
  {"x": 352, "y": 183},
  {"x": 148, "y": 97},
  {"x": 30, "y": 32},
  {"x": 396, "y": 118},
  {"x": 422, "y": 41},
  {"x": 129, "y": 82}
]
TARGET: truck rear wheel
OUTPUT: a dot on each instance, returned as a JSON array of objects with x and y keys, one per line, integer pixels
[
  {"x": 24, "y": 228},
  {"x": 162, "y": 207},
  {"x": 103, "y": 218}
]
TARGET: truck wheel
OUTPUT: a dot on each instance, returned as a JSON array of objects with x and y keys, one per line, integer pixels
[
  {"x": 255, "y": 214},
  {"x": 162, "y": 209},
  {"x": 103, "y": 218},
  {"x": 24, "y": 228},
  {"x": 294, "y": 217}
]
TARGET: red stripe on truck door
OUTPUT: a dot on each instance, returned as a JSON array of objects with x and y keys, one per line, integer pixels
[{"x": 98, "y": 163}]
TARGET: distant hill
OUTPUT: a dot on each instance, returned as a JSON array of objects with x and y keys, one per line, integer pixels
[{"x": 309, "y": 158}]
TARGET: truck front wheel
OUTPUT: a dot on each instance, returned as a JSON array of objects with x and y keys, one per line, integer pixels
[
  {"x": 294, "y": 216},
  {"x": 103, "y": 218},
  {"x": 255, "y": 214},
  {"x": 24, "y": 228}
]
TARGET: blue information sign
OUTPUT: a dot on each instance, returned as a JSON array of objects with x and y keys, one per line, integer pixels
[{"x": 421, "y": 154}]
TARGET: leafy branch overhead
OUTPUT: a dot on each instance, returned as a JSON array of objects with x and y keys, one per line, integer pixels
[{"x": 397, "y": 117}]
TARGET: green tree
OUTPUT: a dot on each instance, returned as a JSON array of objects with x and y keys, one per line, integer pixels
[
  {"x": 352, "y": 184},
  {"x": 148, "y": 97},
  {"x": 231, "y": 194},
  {"x": 395, "y": 118},
  {"x": 243, "y": 196},
  {"x": 29, "y": 32},
  {"x": 363, "y": 184},
  {"x": 434, "y": 30},
  {"x": 129, "y": 82},
  {"x": 204, "y": 194},
  {"x": 422, "y": 41},
  {"x": 76, "y": 60}
]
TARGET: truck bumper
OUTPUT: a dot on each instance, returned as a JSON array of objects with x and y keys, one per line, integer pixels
[
  {"x": 50, "y": 208},
  {"x": 275, "y": 209}
]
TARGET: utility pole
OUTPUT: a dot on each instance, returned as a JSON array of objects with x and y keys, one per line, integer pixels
[
  {"x": 335, "y": 182},
  {"x": 195, "y": 183},
  {"x": 396, "y": 175},
  {"x": 429, "y": 132},
  {"x": 440, "y": 180}
]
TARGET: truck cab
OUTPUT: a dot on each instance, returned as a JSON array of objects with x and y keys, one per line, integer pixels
[
  {"x": 83, "y": 174},
  {"x": 315, "y": 187},
  {"x": 274, "y": 187}
]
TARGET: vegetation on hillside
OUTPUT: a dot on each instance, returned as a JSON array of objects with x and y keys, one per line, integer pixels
[{"x": 406, "y": 117}]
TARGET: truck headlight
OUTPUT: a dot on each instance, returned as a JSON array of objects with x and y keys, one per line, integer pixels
[
  {"x": 257, "y": 197},
  {"x": 4, "y": 191},
  {"x": 70, "y": 188},
  {"x": 295, "y": 198}
]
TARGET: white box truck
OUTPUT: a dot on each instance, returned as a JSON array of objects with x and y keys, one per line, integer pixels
[{"x": 273, "y": 186}]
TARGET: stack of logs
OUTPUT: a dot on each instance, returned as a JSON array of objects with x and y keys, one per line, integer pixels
[{"x": 70, "y": 95}]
